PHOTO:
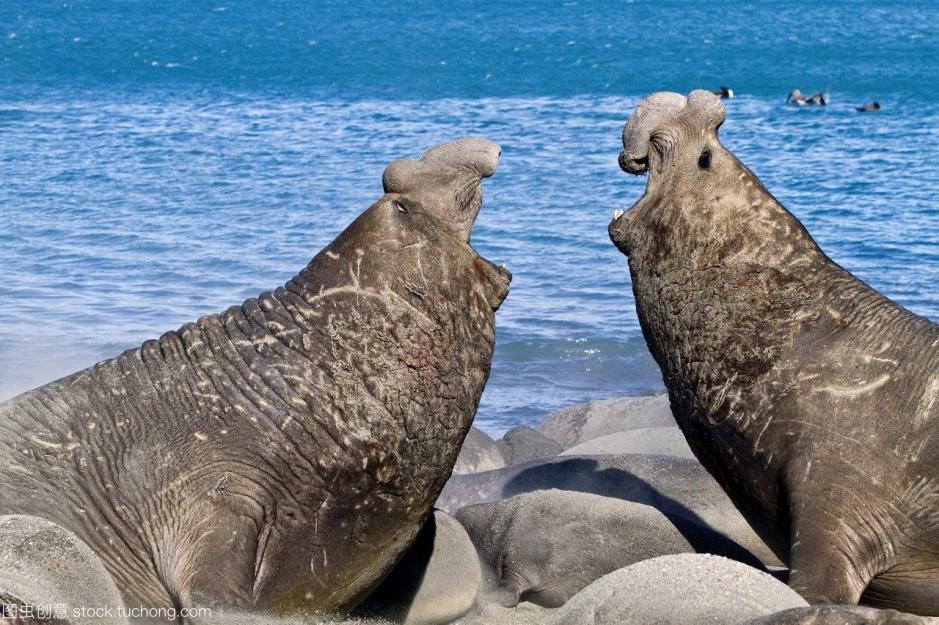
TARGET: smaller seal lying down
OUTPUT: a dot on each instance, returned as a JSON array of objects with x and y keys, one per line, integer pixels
[
  {"x": 679, "y": 590},
  {"x": 811, "y": 398},
  {"x": 677, "y": 487},
  {"x": 545, "y": 546}
]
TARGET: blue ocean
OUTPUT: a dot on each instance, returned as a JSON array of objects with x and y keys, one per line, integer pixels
[{"x": 164, "y": 160}]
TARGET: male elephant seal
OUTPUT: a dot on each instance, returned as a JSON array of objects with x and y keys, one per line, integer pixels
[
  {"x": 813, "y": 399},
  {"x": 282, "y": 455}
]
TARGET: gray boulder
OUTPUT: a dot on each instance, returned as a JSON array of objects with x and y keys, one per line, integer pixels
[
  {"x": 487, "y": 613},
  {"x": 841, "y": 615},
  {"x": 436, "y": 581},
  {"x": 523, "y": 444},
  {"x": 594, "y": 419},
  {"x": 43, "y": 565},
  {"x": 479, "y": 453},
  {"x": 679, "y": 488},
  {"x": 545, "y": 546},
  {"x": 664, "y": 440},
  {"x": 678, "y": 590}
]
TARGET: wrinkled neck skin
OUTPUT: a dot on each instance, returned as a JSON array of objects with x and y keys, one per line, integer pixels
[
  {"x": 716, "y": 256},
  {"x": 322, "y": 419},
  {"x": 744, "y": 313}
]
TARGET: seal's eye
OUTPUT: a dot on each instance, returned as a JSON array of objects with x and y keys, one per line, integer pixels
[
  {"x": 704, "y": 161},
  {"x": 401, "y": 207}
]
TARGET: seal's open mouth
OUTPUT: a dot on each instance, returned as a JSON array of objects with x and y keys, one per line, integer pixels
[{"x": 447, "y": 182}]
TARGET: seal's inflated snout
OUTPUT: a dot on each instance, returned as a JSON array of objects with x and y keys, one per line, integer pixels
[
  {"x": 633, "y": 165},
  {"x": 659, "y": 123},
  {"x": 447, "y": 180}
]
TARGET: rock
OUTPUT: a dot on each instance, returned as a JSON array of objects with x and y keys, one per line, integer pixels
[
  {"x": 44, "y": 565},
  {"x": 679, "y": 590},
  {"x": 436, "y": 581},
  {"x": 495, "y": 614},
  {"x": 479, "y": 453},
  {"x": 546, "y": 546},
  {"x": 840, "y": 615},
  {"x": 583, "y": 422},
  {"x": 663, "y": 440},
  {"x": 680, "y": 488},
  {"x": 523, "y": 444}
]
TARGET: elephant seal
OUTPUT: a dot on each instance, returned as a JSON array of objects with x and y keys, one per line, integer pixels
[
  {"x": 547, "y": 545},
  {"x": 839, "y": 615},
  {"x": 677, "y": 487},
  {"x": 811, "y": 398},
  {"x": 436, "y": 581},
  {"x": 677, "y": 590},
  {"x": 281, "y": 456}
]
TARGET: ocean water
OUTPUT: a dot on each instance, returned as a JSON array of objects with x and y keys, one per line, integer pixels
[{"x": 161, "y": 161}]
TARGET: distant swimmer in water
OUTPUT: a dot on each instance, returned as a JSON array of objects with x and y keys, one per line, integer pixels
[
  {"x": 725, "y": 93},
  {"x": 873, "y": 107},
  {"x": 796, "y": 97}
]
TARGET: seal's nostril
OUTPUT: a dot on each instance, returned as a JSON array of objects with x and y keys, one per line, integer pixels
[{"x": 632, "y": 165}]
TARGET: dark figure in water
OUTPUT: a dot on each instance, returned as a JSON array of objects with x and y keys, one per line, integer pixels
[
  {"x": 796, "y": 97},
  {"x": 873, "y": 107},
  {"x": 725, "y": 93}
]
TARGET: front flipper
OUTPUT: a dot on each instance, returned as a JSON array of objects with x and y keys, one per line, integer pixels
[
  {"x": 47, "y": 574},
  {"x": 831, "y": 558}
]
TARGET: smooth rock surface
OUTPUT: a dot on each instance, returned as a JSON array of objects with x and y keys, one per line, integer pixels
[
  {"x": 524, "y": 444},
  {"x": 679, "y": 590},
  {"x": 662, "y": 440},
  {"x": 43, "y": 564},
  {"x": 546, "y": 546},
  {"x": 841, "y": 615},
  {"x": 436, "y": 581},
  {"x": 594, "y": 419},
  {"x": 495, "y": 614},
  {"x": 479, "y": 453}
]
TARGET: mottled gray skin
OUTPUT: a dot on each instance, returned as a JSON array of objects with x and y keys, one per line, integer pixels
[
  {"x": 840, "y": 615},
  {"x": 280, "y": 456},
  {"x": 813, "y": 399},
  {"x": 547, "y": 545},
  {"x": 679, "y": 589},
  {"x": 677, "y": 487}
]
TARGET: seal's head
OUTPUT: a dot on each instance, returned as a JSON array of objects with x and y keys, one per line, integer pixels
[
  {"x": 674, "y": 140},
  {"x": 446, "y": 180},
  {"x": 418, "y": 233}
]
